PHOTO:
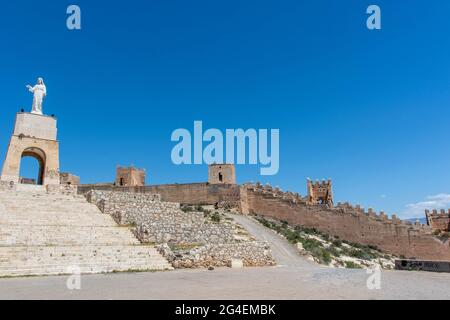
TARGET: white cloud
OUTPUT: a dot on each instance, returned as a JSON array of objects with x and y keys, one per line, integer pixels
[{"x": 417, "y": 210}]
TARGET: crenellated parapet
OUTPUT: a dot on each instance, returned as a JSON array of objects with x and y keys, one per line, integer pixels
[
  {"x": 343, "y": 208},
  {"x": 349, "y": 222},
  {"x": 275, "y": 192},
  {"x": 320, "y": 192},
  {"x": 438, "y": 221}
]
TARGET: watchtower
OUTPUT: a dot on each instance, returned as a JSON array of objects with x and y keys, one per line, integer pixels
[
  {"x": 320, "y": 192},
  {"x": 130, "y": 177},
  {"x": 221, "y": 174}
]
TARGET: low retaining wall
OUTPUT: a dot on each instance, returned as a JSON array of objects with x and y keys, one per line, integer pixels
[
  {"x": 158, "y": 221},
  {"x": 419, "y": 265},
  {"x": 252, "y": 254}
]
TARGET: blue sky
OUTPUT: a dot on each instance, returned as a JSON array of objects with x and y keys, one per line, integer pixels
[{"x": 368, "y": 109}]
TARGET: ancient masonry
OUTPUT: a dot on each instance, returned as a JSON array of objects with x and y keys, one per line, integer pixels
[
  {"x": 130, "y": 177},
  {"x": 67, "y": 230},
  {"x": 320, "y": 192},
  {"x": 69, "y": 179},
  {"x": 34, "y": 135},
  {"x": 221, "y": 174},
  {"x": 439, "y": 222},
  {"x": 47, "y": 228},
  {"x": 316, "y": 210},
  {"x": 164, "y": 223}
]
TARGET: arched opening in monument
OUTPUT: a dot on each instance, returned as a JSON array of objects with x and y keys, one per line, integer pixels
[
  {"x": 220, "y": 177},
  {"x": 32, "y": 166}
]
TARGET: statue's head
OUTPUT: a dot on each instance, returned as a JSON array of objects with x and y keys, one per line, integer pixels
[{"x": 40, "y": 81}]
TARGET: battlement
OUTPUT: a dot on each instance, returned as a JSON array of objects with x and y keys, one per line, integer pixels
[
  {"x": 130, "y": 177},
  {"x": 276, "y": 192},
  {"x": 320, "y": 192},
  {"x": 296, "y": 200},
  {"x": 438, "y": 221},
  {"x": 348, "y": 222}
]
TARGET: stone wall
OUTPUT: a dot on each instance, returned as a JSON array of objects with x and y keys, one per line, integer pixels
[
  {"x": 192, "y": 193},
  {"x": 69, "y": 179},
  {"x": 439, "y": 222},
  {"x": 347, "y": 222},
  {"x": 7, "y": 186},
  {"x": 350, "y": 223},
  {"x": 157, "y": 221},
  {"x": 252, "y": 254},
  {"x": 67, "y": 189},
  {"x": 161, "y": 222},
  {"x": 130, "y": 176}
]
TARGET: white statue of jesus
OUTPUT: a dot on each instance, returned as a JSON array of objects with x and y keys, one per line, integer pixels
[{"x": 39, "y": 92}]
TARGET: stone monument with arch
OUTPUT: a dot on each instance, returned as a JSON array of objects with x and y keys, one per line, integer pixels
[{"x": 34, "y": 136}]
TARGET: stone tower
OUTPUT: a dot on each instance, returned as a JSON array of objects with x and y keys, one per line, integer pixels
[
  {"x": 34, "y": 135},
  {"x": 221, "y": 174},
  {"x": 320, "y": 192},
  {"x": 130, "y": 177}
]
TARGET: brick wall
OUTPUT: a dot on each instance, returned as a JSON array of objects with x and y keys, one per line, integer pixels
[{"x": 350, "y": 223}]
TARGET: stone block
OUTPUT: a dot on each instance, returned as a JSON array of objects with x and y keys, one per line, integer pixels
[{"x": 236, "y": 263}]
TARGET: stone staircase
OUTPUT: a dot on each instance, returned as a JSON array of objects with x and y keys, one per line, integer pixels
[{"x": 48, "y": 234}]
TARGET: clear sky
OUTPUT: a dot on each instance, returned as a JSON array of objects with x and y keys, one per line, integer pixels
[{"x": 368, "y": 109}]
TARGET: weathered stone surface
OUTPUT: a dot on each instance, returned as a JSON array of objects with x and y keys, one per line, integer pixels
[
  {"x": 130, "y": 177},
  {"x": 251, "y": 254},
  {"x": 34, "y": 135},
  {"x": 65, "y": 189},
  {"x": 221, "y": 174},
  {"x": 156, "y": 221},
  {"x": 48, "y": 230},
  {"x": 353, "y": 224},
  {"x": 421, "y": 265},
  {"x": 69, "y": 179}
]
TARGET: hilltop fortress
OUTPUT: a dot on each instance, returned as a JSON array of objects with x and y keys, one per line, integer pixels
[
  {"x": 315, "y": 210},
  {"x": 128, "y": 197}
]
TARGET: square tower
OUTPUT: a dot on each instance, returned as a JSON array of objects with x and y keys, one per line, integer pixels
[
  {"x": 34, "y": 136},
  {"x": 130, "y": 177},
  {"x": 320, "y": 192},
  {"x": 221, "y": 174}
]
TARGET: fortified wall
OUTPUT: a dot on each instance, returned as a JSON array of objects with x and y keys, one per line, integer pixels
[
  {"x": 349, "y": 223},
  {"x": 222, "y": 195},
  {"x": 439, "y": 222},
  {"x": 316, "y": 210}
]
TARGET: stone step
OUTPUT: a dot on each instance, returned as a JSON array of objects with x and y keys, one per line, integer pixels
[
  {"x": 45, "y": 234},
  {"x": 73, "y": 221},
  {"x": 64, "y": 235},
  {"x": 30, "y": 188},
  {"x": 40, "y": 260}
]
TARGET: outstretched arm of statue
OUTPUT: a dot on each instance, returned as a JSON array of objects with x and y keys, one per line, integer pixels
[{"x": 30, "y": 88}]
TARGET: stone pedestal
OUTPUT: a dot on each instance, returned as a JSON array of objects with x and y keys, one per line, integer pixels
[{"x": 34, "y": 135}]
